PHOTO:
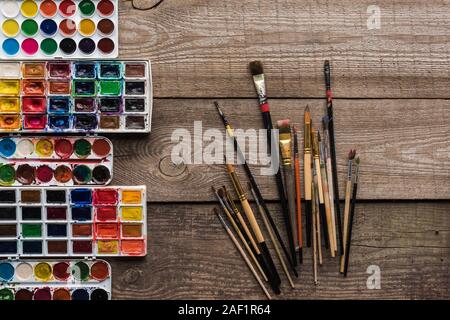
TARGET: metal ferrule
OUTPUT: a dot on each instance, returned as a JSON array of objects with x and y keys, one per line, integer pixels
[
  {"x": 260, "y": 86},
  {"x": 307, "y": 137},
  {"x": 285, "y": 148},
  {"x": 237, "y": 186},
  {"x": 322, "y": 154},
  {"x": 350, "y": 169},
  {"x": 315, "y": 146}
]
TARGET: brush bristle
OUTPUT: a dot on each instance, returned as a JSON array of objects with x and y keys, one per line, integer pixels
[
  {"x": 256, "y": 68},
  {"x": 221, "y": 193},
  {"x": 307, "y": 115},
  {"x": 357, "y": 161},
  {"x": 352, "y": 154},
  {"x": 325, "y": 122}
]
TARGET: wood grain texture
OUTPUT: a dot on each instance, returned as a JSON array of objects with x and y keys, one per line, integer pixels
[
  {"x": 201, "y": 48},
  {"x": 403, "y": 145},
  {"x": 410, "y": 242}
]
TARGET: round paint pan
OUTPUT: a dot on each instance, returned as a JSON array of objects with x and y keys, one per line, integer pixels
[
  {"x": 6, "y": 271},
  {"x": 43, "y": 271},
  {"x": 87, "y": 8},
  {"x": 48, "y": 8},
  {"x": 67, "y": 27},
  {"x": 44, "y": 174},
  {"x": 29, "y": 27},
  {"x": 24, "y": 271},
  {"x": 106, "y": 45},
  {"x": 61, "y": 271},
  {"x": 101, "y": 147},
  {"x": 82, "y": 148},
  {"x": 105, "y": 8},
  {"x": 24, "y": 294},
  {"x": 48, "y": 27},
  {"x": 7, "y": 147},
  {"x": 49, "y": 46},
  {"x": 25, "y": 148},
  {"x": 61, "y": 294},
  {"x": 63, "y": 174},
  {"x": 100, "y": 270},
  {"x": 10, "y": 8},
  {"x": 42, "y": 294},
  {"x": 63, "y": 148},
  {"x": 29, "y": 8},
  {"x": 44, "y": 148},
  {"x": 25, "y": 174},
  {"x": 68, "y": 46},
  {"x": 99, "y": 295},
  {"x": 101, "y": 174},
  {"x": 67, "y": 8},
  {"x": 6, "y": 294},
  {"x": 105, "y": 27},
  {"x": 80, "y": 294},
  {"x": 87, "y": 46},
  {"x": 80, "y": 271},
  {"x": 7, "y": 174}
]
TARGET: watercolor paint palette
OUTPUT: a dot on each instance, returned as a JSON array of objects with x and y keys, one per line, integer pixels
[
  {"x": 55, "y": 161},
  {"x": 75, "y": 96},
  {"x": 39, "y": 29},
  {"x": 75, "y": 222},
  {"x": 55, "y": 280}
]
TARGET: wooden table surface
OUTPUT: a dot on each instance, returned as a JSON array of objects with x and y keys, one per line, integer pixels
[{"x": 391, "y": 88}]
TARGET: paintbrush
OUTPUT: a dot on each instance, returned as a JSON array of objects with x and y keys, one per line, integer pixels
[
  {"x": 330, "y": 182},
  {"x": 241, "y": 251},
  {"x": 307, "y": 176},
  {"x": 321, "y": 205},
  {"x": 316, "y": 213},
  {"x": 257, "y": 71},
  {"x": 252, "y": 180},
  {"x": 329, "y": 94},
  {"x": 348, "y": 191},
  {"x": 314, "y": 237},
  {"x": 274, "y": 241},
  {"x": 298, "y": 196},
  {"x": 271, "y": 271},
  {"x": 326, "y": 197},
  {"x": 352, "y": 215},
  {"x": 285, "y": 141},
  {"x": 348, "y": 195},
  {"x": 239, "y": 229}
]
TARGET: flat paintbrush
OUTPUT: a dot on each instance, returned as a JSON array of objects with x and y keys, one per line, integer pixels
[
  {"x": 252, "y": 180},
  {"x": 298, "y": 197},
  {"x": 348, "y": 195},
  {"x": 241, "y": 251},
  {"x": 352, "y": 215},
  {"x": 257, "y": 71},
  {"x": 308, "y": 176},
  {"x": 274, "y": 241},
  {"x": 237, "y": 226},
  {"x": 285, "y": 141},
  {"x": 271, "y": 271},
  {"x": 329, "y": 94}
]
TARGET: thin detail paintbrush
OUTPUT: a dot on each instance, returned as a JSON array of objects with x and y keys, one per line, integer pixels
[
  {"x": 329, "y": 170},
  {"x": 285, "y": 140},
  {"x": 237, "y": 226},
  {"x": 241, "y": 251},
  {"x": 274, "y": 241},
  {"x": 308, "y": 176},
  {"x": 327, "y": 71},
  {"x": 271, "y": 271},
  {"x": 316, "y": 214},
  {"x": 314, "y": 237},
  {"x": 352, "y": 215},
  {"x": 326, "y": 197},
  {"x": 321, "y": 206},
  {"x": 298, "y": 197},
  {"x": 257, "y": 71},
  {"x": 252, "y": 180},
  {"x": 348, "y": 195}
]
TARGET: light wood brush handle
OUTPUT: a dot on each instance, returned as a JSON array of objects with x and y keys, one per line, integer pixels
[
  {"x": 251, "y": 218},
  {"x": 348, "y": 196},
  {"x": 326, "y": 198},
  {"x": 308, "y": 176},
  {"x": 319, "y": 180},
  {"x": 332, "y": 207}
]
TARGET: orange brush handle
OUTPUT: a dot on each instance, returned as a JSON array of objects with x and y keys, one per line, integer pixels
[{"x": 299, "y": 200}]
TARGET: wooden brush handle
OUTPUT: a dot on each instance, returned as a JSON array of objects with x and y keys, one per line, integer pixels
[
  {"x": 319, "y": 180},
  {"x": 348, "y": 194},
  {"x": 308, "y": 177},
  {"x": 251, "y": 218},
  {"x": 298, "y": 201}
]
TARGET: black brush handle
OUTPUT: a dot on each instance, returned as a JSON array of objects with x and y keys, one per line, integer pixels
[
  {"x": 308, "y": 221},
  {"x": 323, "y": 219},
  {"x": 272, "y": 274},
  {"x": 335, "y": 180},
  {"x": 300, "y": 255},
  {"x": 350, "y": 227}
]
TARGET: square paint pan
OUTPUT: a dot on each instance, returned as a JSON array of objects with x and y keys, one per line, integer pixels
[
  {"x": 42, "y": 29},
  {"x": 55, "y": 161},
  {"x": 55, "y": 280},
  {"x": 73, "y": 222},
  {"x": 74, "y": 96}
]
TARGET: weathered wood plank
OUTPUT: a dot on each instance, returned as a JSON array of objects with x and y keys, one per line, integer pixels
[
  {"x": 410, "y": 242},
  {"x": 201, "y": 48},
  {"x": 403, "y": 145}
]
